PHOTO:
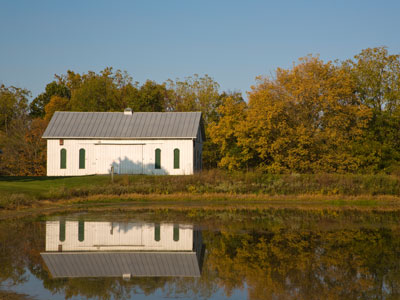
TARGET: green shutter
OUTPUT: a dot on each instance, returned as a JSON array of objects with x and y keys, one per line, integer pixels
[
  {"x": 157, "y": 234},
  {"x": 63, "y": 160},
  {"x": 62, "y": 230},
  {"x": 176, "y": 232},
  {"x": 81, "y": 158},
  {"x": 81, "y": 231},
  {"x": 176, "y": 159},
  {"x": 158, "y": 159}
]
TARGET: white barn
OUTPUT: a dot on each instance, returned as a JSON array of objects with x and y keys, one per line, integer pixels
[{"x": 87, "y": 143}]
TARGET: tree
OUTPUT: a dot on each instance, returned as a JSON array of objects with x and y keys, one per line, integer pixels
[
  {"x": 224, "y": 132},
  {"x": 23, "y": 149},
  {"x": 307, "y": 119},
  {"x": 151, "y": 96},
  {"x": 377, "y": 77},
  {"x": 13, "y": 105},
  {"x": 197, "y": 93},
  {"x": 194, "y": 94},
  {"x": 56, "y": 103},
  {"x": 55, "y": 88},
  {"x": 96, "y": 92}
]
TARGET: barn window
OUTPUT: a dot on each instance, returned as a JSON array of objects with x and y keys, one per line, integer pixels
[
  {"x": 81, "y": 231},
  {"x": 62, "y": 230},
  {"x": 176, "y": 158},
  {"x": 81, "y": 158},
  {"x": 176, "y": 232},
  {"x": 158, "y": 159},
  {"x": 63, "y": 158},
  {"x": 157, "y": 233}
]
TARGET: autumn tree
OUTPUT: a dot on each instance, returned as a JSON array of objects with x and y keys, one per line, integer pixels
[
  {"x": 13, "y": 105},
  {"x": 56, "y": 103},
  {"x": 306, "y": 119},
  {"x": 21, "y": 153},
  {"x": 23, "y": 149},
  {"x": 224, "y": 132}
]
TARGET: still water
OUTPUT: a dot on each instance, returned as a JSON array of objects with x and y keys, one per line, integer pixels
[{"x": 203, "y": 254}]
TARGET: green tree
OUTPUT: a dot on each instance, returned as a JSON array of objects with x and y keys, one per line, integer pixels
[
  {"x": 377, "y": 77},
  {"x": 96, "y": 92},
  {"x": 151, "y": 96},
  {"x": 195, "y": 93}
]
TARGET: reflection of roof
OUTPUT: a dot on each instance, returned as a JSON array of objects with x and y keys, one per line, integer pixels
[
  {"x": 115, "y": 264},
  {"x": 118, "y": 125}
]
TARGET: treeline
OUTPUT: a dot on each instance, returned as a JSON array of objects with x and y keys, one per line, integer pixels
[{"x": 317, "y": 116}]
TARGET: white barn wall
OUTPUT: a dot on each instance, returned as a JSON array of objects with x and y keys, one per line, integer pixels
[
  {"x": 108, "y": 236},
  {"x": 98, "y": 159}
]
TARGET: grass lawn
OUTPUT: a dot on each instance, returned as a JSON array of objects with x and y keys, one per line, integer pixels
[
  {"x": 40, "y": 187},
  {"x": 16, "y": 192}
]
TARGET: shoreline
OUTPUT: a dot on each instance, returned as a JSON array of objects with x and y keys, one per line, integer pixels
[{"x": 213, "y": 201}]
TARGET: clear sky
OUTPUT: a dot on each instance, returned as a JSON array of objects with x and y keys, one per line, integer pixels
[{"x": 232, "y": 41}]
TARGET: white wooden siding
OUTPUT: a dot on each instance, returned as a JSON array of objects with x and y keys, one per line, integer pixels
[
  {"x": 127, "y": 156},
  {"x": 103, "y": 236}
]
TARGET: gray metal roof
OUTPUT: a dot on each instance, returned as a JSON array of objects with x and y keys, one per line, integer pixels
[
  {"x": 115, "y": 264},
  {"x": 119, "y": 125}
]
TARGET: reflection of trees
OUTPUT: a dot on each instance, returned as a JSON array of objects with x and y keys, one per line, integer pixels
[
  {"x": 296, "y": 264},
  {"x": 19, "y": 244},
  {"x": 274, "y": 260}
]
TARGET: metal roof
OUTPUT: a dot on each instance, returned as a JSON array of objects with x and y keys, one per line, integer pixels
[
  {"x": 119, "y": 125},
  {"x": 115, "y": 264}
]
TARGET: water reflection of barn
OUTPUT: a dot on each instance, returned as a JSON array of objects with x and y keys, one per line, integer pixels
[{"x": 113, "y": 249}]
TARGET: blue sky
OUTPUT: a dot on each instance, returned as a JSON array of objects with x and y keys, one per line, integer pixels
[{"x": 232, "y": 41}]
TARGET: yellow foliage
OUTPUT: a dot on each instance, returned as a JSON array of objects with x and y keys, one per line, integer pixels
[
  {"x": 305, "y": 120},
  {"x": 56, "y": 103},
  {"x": 225, "y": 132}
]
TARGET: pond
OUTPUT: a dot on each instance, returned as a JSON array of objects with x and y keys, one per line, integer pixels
[{"x": 193, "y": 253}]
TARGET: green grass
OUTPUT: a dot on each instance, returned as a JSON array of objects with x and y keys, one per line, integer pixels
[{"x": 43, "y": 187}]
